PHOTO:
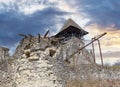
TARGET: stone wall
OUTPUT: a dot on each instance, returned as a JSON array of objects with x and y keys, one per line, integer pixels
[
  {"x": 3, "y": 58},
  {"x": 43, "y": 64},
  {"x": 5, "y": 68},
  {"x": 3, "y": 53}
]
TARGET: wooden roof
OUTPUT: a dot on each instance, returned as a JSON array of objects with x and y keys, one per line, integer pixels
[
  {"x": 70, "y": 22},
  {"x": 71, "y": 27}
]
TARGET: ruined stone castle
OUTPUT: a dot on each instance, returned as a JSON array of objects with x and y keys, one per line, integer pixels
[{"x": 43, "y": 61}]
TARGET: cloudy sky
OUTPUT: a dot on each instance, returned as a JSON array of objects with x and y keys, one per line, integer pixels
[{"x": 37, "y": 16}]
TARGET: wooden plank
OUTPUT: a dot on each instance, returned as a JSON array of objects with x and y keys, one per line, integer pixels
[
  {"x": 39, "y": 36},
  {"x": 23, "y": 35},
  {"x": 100, "y": 52},
  {"x": 93, "y": 49},
  {"x": 46, "y": 33},
  {"x": 30, "y": 37}
]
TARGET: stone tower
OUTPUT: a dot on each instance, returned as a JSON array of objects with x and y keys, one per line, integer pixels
[{"x": 73, "y": 37}]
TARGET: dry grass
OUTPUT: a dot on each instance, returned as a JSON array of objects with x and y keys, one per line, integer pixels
[
  {"x": 115, "y": 67},
  {"x": 93, "y": 83}
]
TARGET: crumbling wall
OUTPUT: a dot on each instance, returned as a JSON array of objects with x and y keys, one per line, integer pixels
[
  {"x": 40, "y": 69},
  {"x": 3, "y": 58},
  {"x": 43, "y": 64},
  {"x": 5, "y": 68}
]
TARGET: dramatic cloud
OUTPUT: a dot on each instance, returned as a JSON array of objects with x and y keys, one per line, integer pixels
[
  {"x": 31, "y": 6},
  {"x": 31, "y": 16},
  {"x": 12, "y": 24},
  {"x": 105, "y": 13},
  {"x": 37, "y": 16},
  {"x": 110, "y": 43}
]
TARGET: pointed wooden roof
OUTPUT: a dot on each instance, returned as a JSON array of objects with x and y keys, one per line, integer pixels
[
  {"x": 71, "y": 27},
  {"x": 70, "y": 22}
]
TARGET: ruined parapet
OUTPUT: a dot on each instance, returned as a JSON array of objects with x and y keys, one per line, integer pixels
[
  {"x": 26, "y": 43},
  {"x": 40, "y": 69},
  {"x": 31, "y": 43},
  {"x": 5, "y": 68},
  {"x": 3, "y": 52},
  {"x": 3, "y": 58}
]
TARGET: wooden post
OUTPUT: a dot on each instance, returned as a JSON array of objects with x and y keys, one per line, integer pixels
[
  {"x": 46, "y": 34},
  {"x": 39, "y": 36},
  {"x": 30, "y": 37},
  {"x": 93, "y": 49},
  {"x": 23, "y": 35},
  {"x": 100, "y": 52}
]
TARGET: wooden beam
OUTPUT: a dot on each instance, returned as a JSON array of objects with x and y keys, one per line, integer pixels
[
  {"x": 46, "y": 33},
  {"x": 100, "y": 52},
  {"x": 39, "y": 36},
  {"x": 93, "y": 49},
  {"x": 30, "y": 37},
  {"x": 23, "y": 35}
]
